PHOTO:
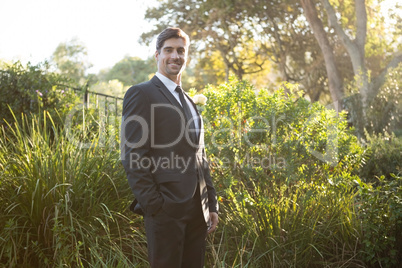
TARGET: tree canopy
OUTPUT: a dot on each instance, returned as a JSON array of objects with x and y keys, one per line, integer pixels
[
  {"x": 70, "y": 59},
  {"x": 130, "y": 70},
  {"x": 329, "y": 48}
]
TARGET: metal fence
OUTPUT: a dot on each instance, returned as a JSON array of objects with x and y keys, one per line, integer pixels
[
  {"x": 101, "y": 113},
  {"x": 111, "y": 105}
]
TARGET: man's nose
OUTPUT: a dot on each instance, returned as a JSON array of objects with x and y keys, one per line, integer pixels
[{"x": 175, "y": 54}]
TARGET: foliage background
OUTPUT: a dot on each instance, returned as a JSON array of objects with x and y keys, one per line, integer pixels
[
  {"x": 297, "y": 187},
  {"x": 316, "y": 205}
]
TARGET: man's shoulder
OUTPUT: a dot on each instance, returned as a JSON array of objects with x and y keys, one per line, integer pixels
[
  {"x": 141, "y": 86},
  {"x": 144, "y": 87}
]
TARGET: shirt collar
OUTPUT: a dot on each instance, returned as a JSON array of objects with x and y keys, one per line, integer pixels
[{"x": 167, "y": 82}]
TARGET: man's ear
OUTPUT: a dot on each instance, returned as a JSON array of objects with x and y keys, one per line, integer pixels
[{"x": 156, "y": 55}]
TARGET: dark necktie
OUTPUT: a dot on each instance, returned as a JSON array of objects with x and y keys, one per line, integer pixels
[{"x": 188, "y": 115}]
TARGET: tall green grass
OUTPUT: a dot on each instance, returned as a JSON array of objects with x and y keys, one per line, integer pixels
[
  {"x": 62, "y": 205},
  {"x": 290, "y": 230}
]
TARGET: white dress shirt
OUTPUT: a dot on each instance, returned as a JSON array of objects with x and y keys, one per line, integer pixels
[{"x": 171, "y": 86}]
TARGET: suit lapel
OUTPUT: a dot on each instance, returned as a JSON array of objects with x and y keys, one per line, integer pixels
[{"x": 162, "y": 88}]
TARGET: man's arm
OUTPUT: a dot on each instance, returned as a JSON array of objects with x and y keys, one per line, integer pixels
[
  {"x": 212, "y": 197},
  {"x": 135, "y": 146}
]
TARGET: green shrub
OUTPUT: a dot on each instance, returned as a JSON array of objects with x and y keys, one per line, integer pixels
[
  {"x": 383, "y": 157},
  {"x": 32, "y": 89},
  {"x": 380, "y": 201},
  {"x": 284, "y": 170},
  {"x": 380, "y": 210}
]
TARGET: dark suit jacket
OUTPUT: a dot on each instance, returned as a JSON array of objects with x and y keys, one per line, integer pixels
[{"x": 163, "y": 168}]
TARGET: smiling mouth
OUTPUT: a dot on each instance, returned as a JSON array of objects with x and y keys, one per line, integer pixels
[{"x": 175, "y": 64}]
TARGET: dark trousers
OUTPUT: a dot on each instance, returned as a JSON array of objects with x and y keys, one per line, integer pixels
[{"x": 177, "y": 243}]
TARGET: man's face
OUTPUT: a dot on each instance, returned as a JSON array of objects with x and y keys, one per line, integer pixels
[{"x": 173, "y": 58}]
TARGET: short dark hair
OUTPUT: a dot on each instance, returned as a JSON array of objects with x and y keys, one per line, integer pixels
[{"x": 170, "y": 33}]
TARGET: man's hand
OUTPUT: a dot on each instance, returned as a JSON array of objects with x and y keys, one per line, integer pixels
[{"x": 214, "y": 221}]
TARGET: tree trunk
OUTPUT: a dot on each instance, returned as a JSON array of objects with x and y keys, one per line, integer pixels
[
  {"x": 334, "y": 77},
  {"x": 356, "y": 53}
]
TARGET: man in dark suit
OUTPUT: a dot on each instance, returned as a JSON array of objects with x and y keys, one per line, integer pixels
[{"x": 164, "y": 157}]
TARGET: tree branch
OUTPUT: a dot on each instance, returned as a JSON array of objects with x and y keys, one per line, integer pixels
[
  {"x": 361, "y": 24},
  {"x": 334, "y": 77},
  {"x": 379, "y": 81},
  {"x": 356, "y": 55},
  {"x": 346, "y": 41}
]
